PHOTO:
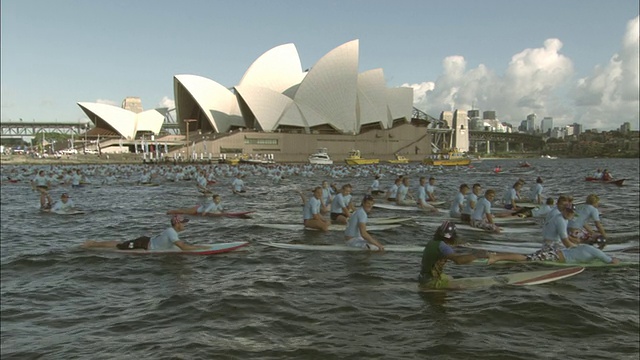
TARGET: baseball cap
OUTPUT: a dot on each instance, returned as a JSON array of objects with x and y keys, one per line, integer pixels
[{"x": 178, "y": 219}]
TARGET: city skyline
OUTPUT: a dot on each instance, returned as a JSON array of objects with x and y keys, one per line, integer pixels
[{"x": 578, "y": 63}]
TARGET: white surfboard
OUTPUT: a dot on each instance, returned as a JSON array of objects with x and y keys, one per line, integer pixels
[
  {"x": 526, "y": 278},
  {"x": 341, "y": 247},
  {"x": 530, "y": 248},
  {"x": 388, "y": 221},
  {"x": 504, "y": 230},
  {"x": 332, "y": 227},
  {"x": 405, "y": 208}
]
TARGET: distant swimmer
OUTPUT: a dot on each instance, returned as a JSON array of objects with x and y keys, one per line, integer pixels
[
  {"x": 436, "y": 254},
  {"x": 237, "y": 186},
  {"x": 41, "y": 183},
  {"x": 167, "y": 240},
  {"x": 374, "y": 189},
  {"x": 212, "y": 207},
  {"x": 312, "y": 217},
  {"x": 356, "y": 234}
]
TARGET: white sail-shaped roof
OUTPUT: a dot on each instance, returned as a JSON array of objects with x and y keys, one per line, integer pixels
[
  {"x": 213, "y": 99},
  {"x": 327, "y": 95},
  {"x": 118, "y": 119},
  {"x": 278, "y": 69},
  {"x": 372, "y": 98},
  {"x": 124, "y": 122},
  {"x": 400, "y": 103},
  {"x": 266, "y": 105}
]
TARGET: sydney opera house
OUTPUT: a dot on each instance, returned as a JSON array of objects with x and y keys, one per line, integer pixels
[{"x": 279, "y": 108}]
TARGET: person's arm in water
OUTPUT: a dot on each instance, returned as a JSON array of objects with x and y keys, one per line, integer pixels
[{"x": 365, "y": 235}]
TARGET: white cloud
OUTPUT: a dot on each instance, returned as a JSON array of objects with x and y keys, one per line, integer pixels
[
  {"x": 610, "y": 95},
  {"x": 107, "y": 102},
  {"x": 527, "y": 86},
  {"x": 540, "y": 80},
  {"x": 167, "y": 102}
]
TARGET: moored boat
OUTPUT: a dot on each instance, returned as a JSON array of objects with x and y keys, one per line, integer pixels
[
  {"x": 354, "y": 158},
  {"x": 320, "y": 157},
  {"x": 617, "y": 182},
  {"x": 399, "y": 159},
  {"x": 448, "y": 158}
]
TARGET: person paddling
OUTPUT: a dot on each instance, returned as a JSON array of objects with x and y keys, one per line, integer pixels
[{"x": 167, "y": 240}]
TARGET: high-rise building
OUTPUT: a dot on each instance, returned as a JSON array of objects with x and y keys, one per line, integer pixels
[
  {"x": 133, "y": 104},
  {"x": 447, "y": 117},
  {"x": 546, "y": 124},
  {"x": 569, "y": 130},
  {"x": 473, "y": 114},
  {"x": 531, "y": 123},
  {"x": 461, "y": 130},
  {"x": 489, "y": 115},
  {"x": 577, "y": 129},
  {"x": 523, "y": 126},
  {"x": 625, "y": 127}
]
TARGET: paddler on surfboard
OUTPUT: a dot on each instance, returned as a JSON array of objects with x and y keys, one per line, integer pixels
[
  {"x": 583, "y": 253},
  {"x": 212, "y": 207},
  {"x": 65, "y": 204},
  {"x": 482, "y": 217},
  {"x": 312, "y": 217},
  {"x": 166, "y": 240},
  {"x": 341, "y": 205},
  {"x": 356, "y": 234},
  {"x": 579, "y": 227},
  {"x": 41, "y": 183},
  {"x": 470, "y": 203},
  {"x": 436, "y": 254},
  {"x": 457, "y": 205},
  {"x": 422, "y": 197}
]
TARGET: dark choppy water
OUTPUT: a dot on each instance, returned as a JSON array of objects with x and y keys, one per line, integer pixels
[{"x": 59, "y": 302}]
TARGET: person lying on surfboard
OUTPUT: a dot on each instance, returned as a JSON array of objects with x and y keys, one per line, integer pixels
[
  {"x": 356, "y": 234},
  {"x": 583, "y": 253},
  {"x": 166, "y": 240},
  {"x": 312, "y": 217},
  {"x": 579, "y": 227},
  {"x": 539, "y": 212},
  {"x": 436, "y": 254},
  {"x": 212, "y": 207}
]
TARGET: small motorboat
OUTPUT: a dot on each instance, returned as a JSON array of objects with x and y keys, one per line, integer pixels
[{"x": 617, "y": 182}]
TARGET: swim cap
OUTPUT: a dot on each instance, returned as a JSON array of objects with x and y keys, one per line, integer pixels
[{"x": 447, "y": 230}]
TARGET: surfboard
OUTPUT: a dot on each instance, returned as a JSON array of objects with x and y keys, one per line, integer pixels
[
  {"x": 332, "y": 227},
  {"x": 435, "y": 203},
  {"x": 559, "y": 264},
  {"x": 388, "y": 221},
  {"x": 212, "y": 249},
  {"x": 505, "y": 230},
  {"x": 529, "y": 248},
  {"x": 340, "y": 247},
  {"x": 149, "y": 184},
  {"x": 241, "y": 214},
  {"x": 404, "y": 208},
  {"x": 528, "y": 205},
  {"x": 70, "y": 212},
  {"x": 526, "y": 278}
]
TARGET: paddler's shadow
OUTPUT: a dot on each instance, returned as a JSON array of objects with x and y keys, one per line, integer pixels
[{"x": 435, "y": 299}]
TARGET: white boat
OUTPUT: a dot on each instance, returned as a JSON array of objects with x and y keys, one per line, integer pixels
[{"x": 320, "y": 157}]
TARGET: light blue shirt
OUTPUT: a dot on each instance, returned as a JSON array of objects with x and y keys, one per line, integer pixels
[
  {"x": 311, "y": 208},
  {"x": 541, "y": 211},
  {"x": 60, "y": 206},
  {"x": 339, "y": 202},
  {"x": 584, "y": 213},
  {"x": 430, "y": 189},
  {"x": 458, "y": 201},
  {"x": 483, "y": 207},
  {"x": 471, "y": 198},
  {"x": 511, "y": 195},
  {"x": 536, "y": 191},
  {"x": 353, "y": 226},
  {"x": 402, "y": 192},
  {"x": 210, "y": 207},
  {"x": 393, "y": 191},
  {"x": 165, "y": 241},
  {"x": 238, "y": 184},
  {"x": 555, "y": 229}
]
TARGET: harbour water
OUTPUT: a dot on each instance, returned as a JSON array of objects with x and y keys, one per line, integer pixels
[{"x": 62, "y": 302}]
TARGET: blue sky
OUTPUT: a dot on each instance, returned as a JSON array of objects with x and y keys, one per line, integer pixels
[{"x": 574, "y": 60}]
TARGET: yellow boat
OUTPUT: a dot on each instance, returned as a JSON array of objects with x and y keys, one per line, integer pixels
[
  {"x": 450, "y": 158},
  {"x": 354, "y": 158},
  {"x": 399, "y": 160}
]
